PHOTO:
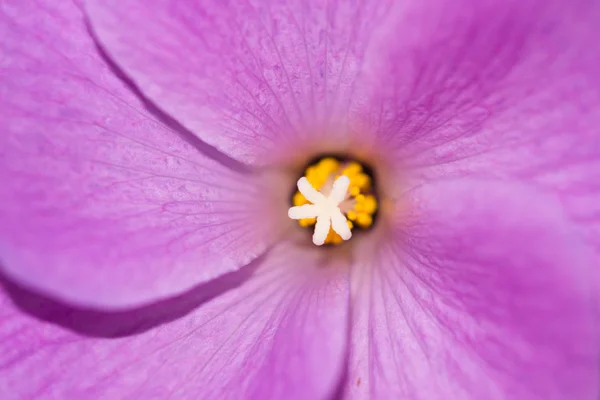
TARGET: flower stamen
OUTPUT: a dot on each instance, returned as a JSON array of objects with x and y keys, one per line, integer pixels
[
  {"x": 332, "y": 195},
  {"x": 325, "y": 209}
]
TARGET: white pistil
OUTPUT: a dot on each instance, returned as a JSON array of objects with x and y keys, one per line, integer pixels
[{"x": 324, "y": 208}]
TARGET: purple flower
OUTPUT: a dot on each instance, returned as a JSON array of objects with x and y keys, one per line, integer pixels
[{"x": 150, "y": 151}]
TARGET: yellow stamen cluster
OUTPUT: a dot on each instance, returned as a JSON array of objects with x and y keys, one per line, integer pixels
[{"x": 362, "y": 203}]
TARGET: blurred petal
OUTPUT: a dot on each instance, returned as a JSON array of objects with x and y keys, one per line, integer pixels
[
  {"x": 251, "y": 78},
  {"x": 485, "y": 295},
  {"x": 494, "y": 88},
  {"x": 101, "y": 203},
  {"x": 282, "y": 334}
]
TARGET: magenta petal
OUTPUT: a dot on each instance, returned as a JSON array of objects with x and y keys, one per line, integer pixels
[
  {"x": 251, "y": 78},
  {"x": 495, "y": 88},
  {"x": 282, "y": 334},
  {"x": 101, "y": 203},
  {"x": 483, "y": 292}
]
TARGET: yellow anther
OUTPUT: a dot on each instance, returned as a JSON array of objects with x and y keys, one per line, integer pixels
[
  {"x": 336, "y": 239},
  {"x": 312, "y": 171},
  {"x": 329, "y": 164},
  {"x": 364, "y": 220},
  {"x": 306, "y": 222},
  {"x": 299, "y": 199},
  {"x": 351, "y": 215},
  {"x": 333, "y": 238},
  {"x": 317, "y": 182},
  {"x": 352, "y": 168},
  {"x": 354, "y": 191},
  {"x": 359, "y": 206},
  {"x": 362, "y": 181},
  {"x": 319, "y": 173},
  {"x": 369, "y": 204}
]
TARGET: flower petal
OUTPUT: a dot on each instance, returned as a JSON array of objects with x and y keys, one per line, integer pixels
[
  {"x": 494, "y": 88},
  {"x": 281, "y": 334},
  {"x": 251, "y": 78},
  {"x": 102, "y": 203},
  {"x": 485, "y": 295}
]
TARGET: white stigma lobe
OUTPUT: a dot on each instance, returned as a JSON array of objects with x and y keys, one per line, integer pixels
[{"x": 324, "y": 208}]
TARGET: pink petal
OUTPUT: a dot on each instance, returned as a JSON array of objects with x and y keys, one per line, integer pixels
[
  {"x": 282, "y": 334},
  {"x": 483, "y": 292},
  {"x": 496, "y": 89},
  {"x": 251, "y": 78},
  {"x": 101, "y": 203}
]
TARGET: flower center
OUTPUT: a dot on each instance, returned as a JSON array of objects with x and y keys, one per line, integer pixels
[{"x": 335, "y": 196}]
